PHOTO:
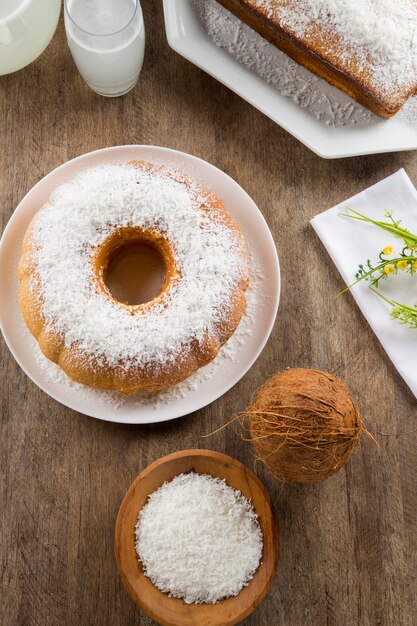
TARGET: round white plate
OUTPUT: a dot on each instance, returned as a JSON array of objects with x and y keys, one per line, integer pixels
[{"x": 211, "y": 382}]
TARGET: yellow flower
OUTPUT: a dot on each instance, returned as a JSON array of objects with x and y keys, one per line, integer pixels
[
  {"x": 389, "y": 269},
  {"x": 402, "y": 265},
  {"x": 387, "y": 250},
  {"x": 414, "y": 265}
]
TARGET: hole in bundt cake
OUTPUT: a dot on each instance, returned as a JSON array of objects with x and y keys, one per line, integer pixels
[{"x": 135, "y": 273}]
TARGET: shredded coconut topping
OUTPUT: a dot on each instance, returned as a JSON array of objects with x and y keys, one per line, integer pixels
[
  {"x": 80, "y": 217},
  {"x": 378, "y": 37},
  {"x": 229, "y": 356},
  {"x": 313, "y": 94},
  {"x": 321, "y": 100},
  {"x": 198, "y": 539}
]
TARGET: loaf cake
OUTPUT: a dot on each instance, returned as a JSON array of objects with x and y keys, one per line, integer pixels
[{"x": 367, "y": 48}]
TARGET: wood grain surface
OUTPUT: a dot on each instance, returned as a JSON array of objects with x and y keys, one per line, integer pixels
[{"x": 349, "y": 544}]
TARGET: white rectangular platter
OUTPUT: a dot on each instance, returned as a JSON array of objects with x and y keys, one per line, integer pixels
[{"x": 324, "y": 119}]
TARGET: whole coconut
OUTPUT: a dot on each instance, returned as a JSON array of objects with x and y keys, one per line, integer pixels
[{"x": 304, "y": 425}]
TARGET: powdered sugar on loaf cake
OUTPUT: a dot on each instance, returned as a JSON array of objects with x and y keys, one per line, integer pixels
[
  {"x": 378, "y": 37},
  {"x": 209, "y": 254},
  {"x": 323, "y": 101}
]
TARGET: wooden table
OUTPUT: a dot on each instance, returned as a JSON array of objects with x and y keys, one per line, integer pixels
[{"x": 349, "y": 546}]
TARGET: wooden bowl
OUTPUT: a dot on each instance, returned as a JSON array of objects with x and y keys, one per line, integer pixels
[{"x": 173, "y": 611}]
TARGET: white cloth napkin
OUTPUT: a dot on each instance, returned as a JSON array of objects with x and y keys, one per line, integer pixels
[{"x": 350, "y": 243}]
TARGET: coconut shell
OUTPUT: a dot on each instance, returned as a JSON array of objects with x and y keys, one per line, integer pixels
[{"x": 304, "y": 425}]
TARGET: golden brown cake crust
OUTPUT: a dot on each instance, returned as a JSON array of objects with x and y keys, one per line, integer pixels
[
  {"x": 85, "y": 368},
  {"x": 316, "y": 57}
]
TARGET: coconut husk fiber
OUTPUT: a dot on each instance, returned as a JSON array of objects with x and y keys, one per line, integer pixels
[{"x": 304, "y": 425}]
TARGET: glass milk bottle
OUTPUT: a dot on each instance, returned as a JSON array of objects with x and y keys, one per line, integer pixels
[
  {"x": 26, "y": 28},
  {"x": 107, "y": 42}
]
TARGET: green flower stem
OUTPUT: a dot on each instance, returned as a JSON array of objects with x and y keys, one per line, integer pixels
[
  {"x": 405, "y": 314},
  {"x": 392, "y": 228},
  {"x": 387, "y": 300},
  {"x": 409, "y": 259}
]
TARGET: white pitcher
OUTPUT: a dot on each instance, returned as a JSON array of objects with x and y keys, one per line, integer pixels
[{"x": 26, "y": 28}]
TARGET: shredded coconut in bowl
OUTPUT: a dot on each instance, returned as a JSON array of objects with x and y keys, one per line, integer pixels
[{"x": 198, "y": 539}]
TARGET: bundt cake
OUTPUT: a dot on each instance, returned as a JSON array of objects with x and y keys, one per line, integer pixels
[{"x": 66, "y": 302}]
